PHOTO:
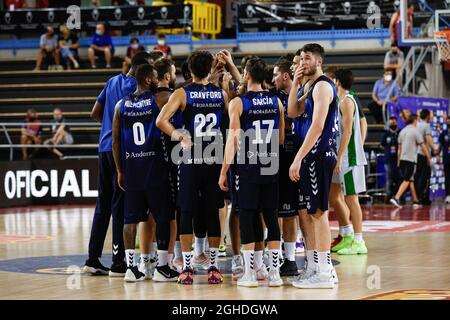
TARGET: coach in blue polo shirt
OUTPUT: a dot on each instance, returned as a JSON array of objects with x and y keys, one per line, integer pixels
[
  {"x": 110, "y": 196},
  {"x": 380, "y": 94},
  {"x": 101, "y": 45}
]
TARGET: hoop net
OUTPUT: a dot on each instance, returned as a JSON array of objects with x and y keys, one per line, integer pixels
[{"x": 442, "y": 39}]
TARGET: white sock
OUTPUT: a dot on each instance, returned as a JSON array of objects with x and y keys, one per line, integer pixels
[
  {"x": 311, "y": 265},
  {"x": 162, "y": 258},
  {"x": 130, "y": 254},
  {"x": 199, "y": 246},
  {"x": 325, "y": 264},
  {"x": 258, "y": 259},
  {"x": 274, "y": 259},
  {"x": 187, "y": 260},
  {"x": 206, "y": 244},
  {"x": 213, "y": 252},
  {"x": 177, "y": 250},
  {"x": 299, "y": 235},
  {"x": 170, "y": 259},
  {"x": 249, "y": 259},
  {"x": 358, "y": 237},
  {"x": 153, "y": 249},
  {"x": 290, "y": 250},
  {"x": 341, "y": 231},
  {"x": 348, "y": 230},
  {"x": 266, "y": 232},
  {"x": 145, "y": 257}
]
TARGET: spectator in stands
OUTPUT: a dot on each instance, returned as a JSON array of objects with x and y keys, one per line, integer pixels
[
  {"x": 380, "y": 94},
  {"x": 101, "y": 46},
  {"x": 133, "y": 48},
  {"x": 15, "y": 4},
  {"x": 444, "y": 146},
  {"x": 394, "y": 59},
  {"x": 48, "y": 49},
  {"x": 163, "y": 47},
  {"x": 68, "y": 46},
  {"x": 31, "y": 132},
  {"x": 61, "y": 133},
  {"x": 96, "y": 3},
  {"x": 389, "y": 143},
  {"x": 409, "y": 141},
  {"x": 423, "y": 172}
]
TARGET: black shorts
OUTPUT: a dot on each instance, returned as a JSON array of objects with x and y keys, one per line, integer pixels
[
  {"x": 288, "y": 204},
  {"x": 195, "y": 179},
  {"x": 255, "y": 196},
  {"x": 155, "y": 200},
  {"x": 407, "y": 170},
  {"x": 315, "y": 181}
]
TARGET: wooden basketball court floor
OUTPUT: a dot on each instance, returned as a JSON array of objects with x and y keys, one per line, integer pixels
[{"x": 41, "y": 249}]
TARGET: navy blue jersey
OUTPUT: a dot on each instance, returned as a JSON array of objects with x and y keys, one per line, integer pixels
[
  {"x": 327, "y": 140},
  {"x": 202, "y": 116},
  {"x": 444, "y": 140},
  {"x": 142, "y": 146},
  {"x": 297, "y": 122},
  {"x": 260, "y": 120}
]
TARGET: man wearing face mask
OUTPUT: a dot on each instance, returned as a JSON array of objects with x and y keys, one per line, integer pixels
[
  {"x": 380, "y": 95},
  {"x": 48, "y": 49},
  {"x": 101, "y": 45},
  {"x": 61, "y": 133},
  {"x": 163, "y": 47},
  {"x": 389, "y": 142},
  {"x": 394, "y": 59},
  {"x": 444, "y": 146},
  {"x": 134, "y": 47}
]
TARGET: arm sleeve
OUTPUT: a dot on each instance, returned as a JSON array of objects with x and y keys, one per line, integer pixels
[
  {"x": 428, "y": 130},
  {"x": 396, "y": 91}
]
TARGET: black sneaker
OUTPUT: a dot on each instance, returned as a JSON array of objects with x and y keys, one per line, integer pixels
[
  {"x": 165, "y": 274},
  {"x": 134, "y": 275},
  {"x": 288, "y": 268},
  {"x": 118, "y": 269},
  {"x": 95, "y": 267}
]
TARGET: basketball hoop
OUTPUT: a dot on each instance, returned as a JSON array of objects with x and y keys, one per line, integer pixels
[{"x": 442, "y": 39}]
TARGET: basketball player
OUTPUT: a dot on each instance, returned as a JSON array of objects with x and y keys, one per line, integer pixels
[
  {"x": 315, "y": 160},
  {"x": 141, "y": 160},
  {"x": 166, "y": 82},
  {"x": 262, "y": 113},
  {"x": 288, "y": 197},
  {"x": 110, "y": 196},
  {"x": 349, "y": 178},
  {"x": 202, "y": 105}
]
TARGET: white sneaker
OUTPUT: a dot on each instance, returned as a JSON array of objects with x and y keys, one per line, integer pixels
[
  {"x": 237, "y": 267},
  {"x": 165, "y": 274},
  {"x": 76, "y": 65},
  {"x": 262, "y": 273},
  {"x": 134, "y": 275},
  {"x": 275, "y": 278},
  {"x": 248, "y": 280},
  {"x": 201, "y": 261},
  {"x": 318, "y": 280},
  {"x": 447, "y": 199},
  {"x": 335, "y": 276},
  {"x": 146, "y": 269},
  {"x": 303, "y": 274}
]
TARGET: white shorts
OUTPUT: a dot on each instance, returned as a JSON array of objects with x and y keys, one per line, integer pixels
[{"x": 352, "y": 180}]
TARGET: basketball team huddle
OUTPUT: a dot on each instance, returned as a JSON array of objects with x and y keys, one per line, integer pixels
[{"x": 279, "y": 148}]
